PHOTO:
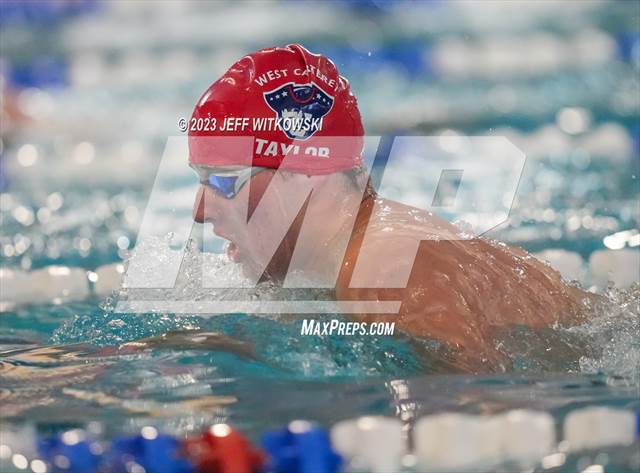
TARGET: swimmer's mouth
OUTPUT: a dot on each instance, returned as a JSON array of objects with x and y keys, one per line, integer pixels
[{"x": 233, "y": 253}]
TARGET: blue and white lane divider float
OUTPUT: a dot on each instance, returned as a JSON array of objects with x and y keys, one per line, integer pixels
[
  {"x": 596, "y": 427},
  {"x": 57, "y": 284},
  {"x": 518, "y": 436},
  {"x": 440, "y": 442},
  {"x": 375, "y": 444}
]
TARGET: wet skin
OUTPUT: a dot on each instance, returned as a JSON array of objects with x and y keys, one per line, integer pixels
[{"x": 461, "y": 290}]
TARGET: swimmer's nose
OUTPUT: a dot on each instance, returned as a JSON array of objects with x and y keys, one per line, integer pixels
[{"x": 198, "y": 206}]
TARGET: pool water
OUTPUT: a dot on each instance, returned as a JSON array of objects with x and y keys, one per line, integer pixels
[
  {"x": 76, "y": 184},
  {"x": 68, "y": 365}
]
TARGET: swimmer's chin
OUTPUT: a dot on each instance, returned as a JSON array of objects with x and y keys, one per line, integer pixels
[
  {"x": 252, "y": 270},
  {"x": 248, "y": 269}
]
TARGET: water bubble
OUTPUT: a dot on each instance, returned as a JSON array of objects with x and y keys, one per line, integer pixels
[
  {"x": 27, "y": 155},
  {"x": 24, "y": 215},
  {"x": 55, "y": 201},
  {"x": 43, "y": 215},
  {"x": 20, "y": 461},
  {"x": 84, "y": 152},
  {"x": 38, "y": 466},
  {"x": 123, "y": 242},
  {"x": 573, "y": 120},
  {"x": 107, "y": 304}
]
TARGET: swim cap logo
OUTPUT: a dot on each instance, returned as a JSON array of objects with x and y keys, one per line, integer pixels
[{"x": 301, "y": 105}]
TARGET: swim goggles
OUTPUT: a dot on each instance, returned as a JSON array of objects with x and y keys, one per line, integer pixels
[{"x": 226, "y": 181}]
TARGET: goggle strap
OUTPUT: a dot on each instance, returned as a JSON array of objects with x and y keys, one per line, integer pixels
[{"x": 243, "y": 178}]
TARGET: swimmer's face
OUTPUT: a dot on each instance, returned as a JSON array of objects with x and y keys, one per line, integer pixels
[{"x": 247, "y": 241}]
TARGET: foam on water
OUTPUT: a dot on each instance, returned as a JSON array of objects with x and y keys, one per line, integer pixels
[
  {"x": 276, "y": 338},
  {"x": 607, "y": 343},
  {"x": 615, "y": 329}
]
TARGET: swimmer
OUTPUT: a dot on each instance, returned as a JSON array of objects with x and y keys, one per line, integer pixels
[{"x": 460, "y": 291}]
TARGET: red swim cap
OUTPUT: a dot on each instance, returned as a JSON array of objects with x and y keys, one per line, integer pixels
[{"x": 281, "y": 102}]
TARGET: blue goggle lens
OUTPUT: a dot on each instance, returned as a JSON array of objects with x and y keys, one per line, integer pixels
[{"x": 225, "y": 185}]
